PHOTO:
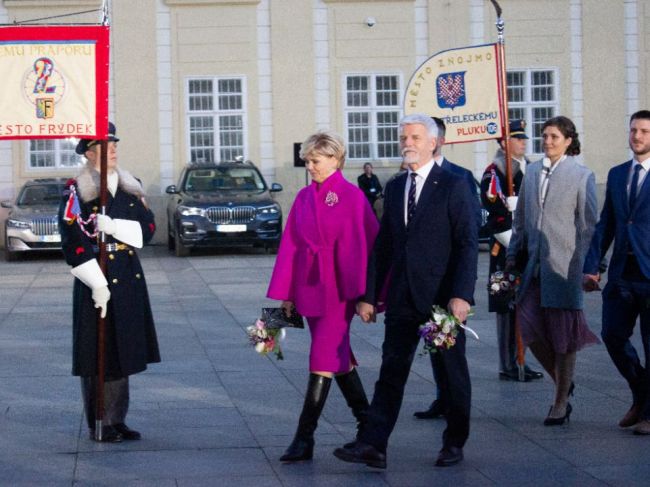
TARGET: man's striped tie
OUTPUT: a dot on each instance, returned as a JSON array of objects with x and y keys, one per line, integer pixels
[{"x": 411, "y": 201}]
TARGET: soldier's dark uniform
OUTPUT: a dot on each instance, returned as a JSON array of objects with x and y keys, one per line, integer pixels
[
  {"x": 493, "y": 198},
  {"x": 131, "y": 341}
]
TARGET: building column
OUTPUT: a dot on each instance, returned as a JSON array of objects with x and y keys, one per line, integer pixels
[
  {"x": 165, "y": 115},
  {"x": 631, "y": 12},
  {"x": 477, "y": 37},
  {"x": 265, "y": 87},
  {"x": 577, "y": 96},
  {"x": 421, "y": 12},
  {"x": 322, "y": 65}
]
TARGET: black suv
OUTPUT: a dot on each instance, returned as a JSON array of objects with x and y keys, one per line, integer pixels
[
  {"x": 32, "y": 223},
  {"x": 225, "y": 204}
]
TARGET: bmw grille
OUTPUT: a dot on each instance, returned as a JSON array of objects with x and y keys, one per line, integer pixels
[{"x": 238, "y": 214}]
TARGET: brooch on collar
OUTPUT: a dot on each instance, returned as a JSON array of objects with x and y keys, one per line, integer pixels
[{"x": 331, "y": 199}]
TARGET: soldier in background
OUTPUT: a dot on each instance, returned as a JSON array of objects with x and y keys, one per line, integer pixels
[
  {"x": 121, "y": 295},
  {"x": 500, "y": 208}
]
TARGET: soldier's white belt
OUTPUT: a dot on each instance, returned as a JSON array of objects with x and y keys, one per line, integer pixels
[{"x": 113, "y": 247}]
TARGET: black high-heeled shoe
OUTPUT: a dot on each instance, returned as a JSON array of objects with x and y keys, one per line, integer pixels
[
  {"x": 573, "y": 386},
  {"x": 559, "y": 421}
]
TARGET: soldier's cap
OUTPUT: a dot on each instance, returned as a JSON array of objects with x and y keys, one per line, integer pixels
[
  {"x": 518, "y": 129},
  {"x": 84, "y": 144}
]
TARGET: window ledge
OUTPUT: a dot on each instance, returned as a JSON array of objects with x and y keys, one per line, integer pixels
[
  {"x": 212, "y": 2},
  {"x": 52, "y": 3},
  {"x": 358, "y": 1}
]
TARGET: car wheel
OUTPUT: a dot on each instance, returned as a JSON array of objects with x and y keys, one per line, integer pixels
[
  {"x": 179, "y": 249},
  {"x": 171, "y": 244},
  {"x": 271, "y": 249}
]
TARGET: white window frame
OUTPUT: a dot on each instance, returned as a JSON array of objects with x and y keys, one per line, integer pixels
[
  {"x": 215, "y": 113},
  {"x": 372, "y": 110},
  {"x": 57, "y": 158},
  {"x": 527, "y": 105}
]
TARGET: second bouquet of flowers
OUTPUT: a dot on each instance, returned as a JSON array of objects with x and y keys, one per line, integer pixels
[
  {"x": 268, "y": 331},
  {"x": 439, "y": 333},
  {"x": 266, "y": 339}
]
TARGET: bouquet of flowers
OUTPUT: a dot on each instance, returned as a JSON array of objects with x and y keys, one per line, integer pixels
[
  {"x": 266, "y": 339},
  {"x": 504, "y": 283},
  {"x": 439, "y": 333},
  {"x": 502, "y": 286}
]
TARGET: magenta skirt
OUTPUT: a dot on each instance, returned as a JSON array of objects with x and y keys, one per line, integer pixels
[
  {"x": 330, "y": 339},
  {"x": 562, "y": 330}
]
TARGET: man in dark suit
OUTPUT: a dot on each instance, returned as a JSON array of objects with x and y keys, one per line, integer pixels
[
  {"x": 428, "y": 241},
  {"x": 625, "y": 219},
  {"x": 439, "y": 404},
  {"x": 369, "y": 184}
]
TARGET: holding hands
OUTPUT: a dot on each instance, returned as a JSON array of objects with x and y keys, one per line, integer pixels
[
  {"x": 590, "y": 282},
  {"x": 367, "y": 312}
]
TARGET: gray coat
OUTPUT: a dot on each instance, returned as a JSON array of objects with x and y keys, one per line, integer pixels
[{"x": 558, "y": 237}]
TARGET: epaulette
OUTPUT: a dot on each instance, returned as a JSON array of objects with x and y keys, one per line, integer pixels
[{"x": 488, "y": 171}]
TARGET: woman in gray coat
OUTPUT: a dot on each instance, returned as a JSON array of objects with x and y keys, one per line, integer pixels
[{"x": 554, "y": 219}]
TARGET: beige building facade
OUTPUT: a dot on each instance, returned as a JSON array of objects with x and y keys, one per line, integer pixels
[{"x": 208, "y": 80}]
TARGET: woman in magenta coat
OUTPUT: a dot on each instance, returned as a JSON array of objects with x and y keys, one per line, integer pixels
[{"x": 321, "y": 271}]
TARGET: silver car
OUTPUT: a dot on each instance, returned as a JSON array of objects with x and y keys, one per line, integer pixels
[{"x": 32, "y": 223}]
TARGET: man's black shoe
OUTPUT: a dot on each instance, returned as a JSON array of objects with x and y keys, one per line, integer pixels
[
  {"x": 126, "y": 432},
  {"x": 360, "y": 452},
  {"x": 436, "y": 410},
  {"x": 109, "y": 435},
  {"x": 533, "y": 374},
  {"x": 512, "y": 374},
  {"x": 448, "y": 456}
]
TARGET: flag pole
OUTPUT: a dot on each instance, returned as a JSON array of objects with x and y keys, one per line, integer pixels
[
  {"x": 101, "y": 322},
  {"x": 510, "y": 188}
]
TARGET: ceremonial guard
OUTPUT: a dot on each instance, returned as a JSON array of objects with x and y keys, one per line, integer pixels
[
  {"x": 500, "y": 207},
  {"x": 121, "y": 294}
]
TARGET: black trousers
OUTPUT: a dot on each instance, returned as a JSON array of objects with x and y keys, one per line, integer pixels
[
  {"x": 400, "y": 344},
  {"x": 623, "y": 303},
  {"x": 116, "y": 400}
]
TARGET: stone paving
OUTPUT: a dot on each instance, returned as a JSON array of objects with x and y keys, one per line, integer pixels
[{"x": 215, "y": 413}]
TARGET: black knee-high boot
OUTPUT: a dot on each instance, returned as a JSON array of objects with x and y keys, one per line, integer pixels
[
  {"x": 352, "y": 389},
  {"x": 302, "y": 446}
]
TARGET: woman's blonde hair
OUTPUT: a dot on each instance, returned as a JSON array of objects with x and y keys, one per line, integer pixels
[{"x": 324, "y": 143}]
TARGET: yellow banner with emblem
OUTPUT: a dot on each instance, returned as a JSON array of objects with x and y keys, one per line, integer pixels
[{"x": 460, "y": 86}]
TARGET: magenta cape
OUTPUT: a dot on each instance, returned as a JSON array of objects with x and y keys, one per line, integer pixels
[{"x": 325, "y": 246}]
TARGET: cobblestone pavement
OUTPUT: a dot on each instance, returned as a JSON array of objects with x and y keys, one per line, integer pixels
[{"x": 215, "y": 413}]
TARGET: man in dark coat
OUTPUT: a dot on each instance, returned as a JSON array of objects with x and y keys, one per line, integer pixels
[
  {"x": 439, "y": 404},
  {"x": 369, "y": 184},
  {"x": 500, "y": 207},
  {"x": 428, "y": 242},
  {"x": 121, "y": 295}
]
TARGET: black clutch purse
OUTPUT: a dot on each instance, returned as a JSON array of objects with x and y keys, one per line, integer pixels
[{"x": 276, "y": 318}]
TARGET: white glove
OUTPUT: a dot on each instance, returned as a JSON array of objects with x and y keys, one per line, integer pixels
[
  {"x": 504, "y": 237},
  {"x": 91, "y": 275},
  {"x": 512, "y": 202},
  {"x": 127, "y": 231},
  {"x": 101, "y": 295},
  {"x": 106, "y": 224}
]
